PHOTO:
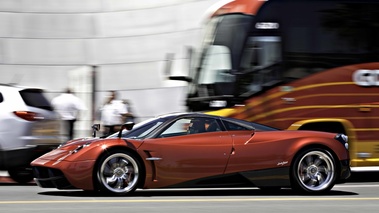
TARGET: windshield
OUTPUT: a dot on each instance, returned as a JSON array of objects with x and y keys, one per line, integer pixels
[
  {"x": 220, "y": 55},
  {"x": 214, "y": 75},
  {"x": 141, "y": 130},
  {"x": 216, "y": 65},
  {"x": 35, "y": 98},
  {"x": 260, "y": 64}
]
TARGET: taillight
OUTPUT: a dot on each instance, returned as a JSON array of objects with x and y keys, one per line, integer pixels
[{"x": 29, "y": 116}]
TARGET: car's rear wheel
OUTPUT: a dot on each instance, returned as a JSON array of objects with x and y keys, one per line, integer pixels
[
  {"x": 118, "y": 172},
  {"x": 314, "y": 171}
]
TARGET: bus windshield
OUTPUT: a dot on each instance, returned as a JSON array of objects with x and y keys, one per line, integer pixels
[
  {"x": 259, "y": 64},
  {"x": 214, "y": 76}
]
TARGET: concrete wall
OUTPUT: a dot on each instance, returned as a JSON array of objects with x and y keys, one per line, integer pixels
[{"x": 42, "y": 41}]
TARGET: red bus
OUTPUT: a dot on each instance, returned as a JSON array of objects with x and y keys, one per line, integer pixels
[{"x": 294, "y": 64}]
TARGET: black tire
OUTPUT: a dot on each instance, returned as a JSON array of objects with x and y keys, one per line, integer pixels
[
  {"x": 118, "y": 172},
  {"x": 314, "y": 171},
  {"x": 21, "y": 175}
]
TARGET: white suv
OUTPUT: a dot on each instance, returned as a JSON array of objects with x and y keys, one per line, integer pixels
[{"x": 28, "y": 128}]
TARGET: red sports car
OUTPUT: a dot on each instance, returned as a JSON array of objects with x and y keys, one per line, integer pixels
[{"x": 197, "y": 150}]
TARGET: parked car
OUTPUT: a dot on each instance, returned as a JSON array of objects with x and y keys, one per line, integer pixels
[
  {"x": 197, "y": 150},
  {"x": 28, "y": 128}
]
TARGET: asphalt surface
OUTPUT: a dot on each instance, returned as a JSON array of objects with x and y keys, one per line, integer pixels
[
  {"x": 344, "y": 198},
  {"x": 4, "y": 178},
  {"x": 355, "y": 177},
  {"x": 360, "y": 194}
]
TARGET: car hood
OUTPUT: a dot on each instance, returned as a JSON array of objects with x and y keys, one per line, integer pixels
[
  {"x": 83, "y": 149},
  {"x": 79, "y": 141}
]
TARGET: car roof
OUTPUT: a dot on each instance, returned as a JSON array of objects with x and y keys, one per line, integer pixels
[
  {"x": 186, "y": 114},
  {"x": 202, "y": 114},
  {"x": 18, "y": 87},
  {"x": 178, "y": 115}
]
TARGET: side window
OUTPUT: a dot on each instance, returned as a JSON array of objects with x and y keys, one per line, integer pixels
[
  {"x": 201, "y": 125},
  {"x": 35, "y": 98},
  {"x": 194, "y": 125},
  {"x": 234, "y": 127},
  {"x": 212, "y": 125},
  {"x": 180, "y": 127},
  {"x": 1, "y": 98}
]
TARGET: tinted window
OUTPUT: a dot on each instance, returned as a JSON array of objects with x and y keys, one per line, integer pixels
[
  {"x": 234, "y": 124},
  {"x": 263, "y": 127},
  {"x": 237, "y": 24},
  {"x": 234, "y": 127},
  {"x": 319, "y": 35},
  {"x": 35, "y": 98},
  {"x": 306, "y": 37},
  {"x": 213, "y": 126}
]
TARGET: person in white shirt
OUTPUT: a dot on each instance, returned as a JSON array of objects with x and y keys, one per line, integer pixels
[
  {"x": 113, "y": 113},
  {"x": 67, "y": 105}
]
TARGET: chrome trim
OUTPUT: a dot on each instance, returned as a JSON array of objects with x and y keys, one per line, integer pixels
[
  {"x": 364, "y": 155},
  {"x": 154, "y": 158},
  {"x": 365, "y": 169}
]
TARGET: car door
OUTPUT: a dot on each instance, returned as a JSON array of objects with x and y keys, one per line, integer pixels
[
  {"x": 180, "y": 154},
  {"x": 256, "y": 150},
  {"x": 262, "y": 159}
]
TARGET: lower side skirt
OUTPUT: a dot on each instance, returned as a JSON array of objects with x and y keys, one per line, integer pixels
[{"x": 262, "y": 178}]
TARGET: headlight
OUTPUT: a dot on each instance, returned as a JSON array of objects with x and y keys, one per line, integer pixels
[{"x": 342, "y": 138}]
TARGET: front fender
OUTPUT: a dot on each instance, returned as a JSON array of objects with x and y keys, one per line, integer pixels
[
  {"x": 86, "y": 150},
  {"x": 77, "y": 160}
]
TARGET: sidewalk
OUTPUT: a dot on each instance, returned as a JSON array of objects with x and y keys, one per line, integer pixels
[
  {"x": 4, "y": 174},
  {"x": 4, "y": 177}
]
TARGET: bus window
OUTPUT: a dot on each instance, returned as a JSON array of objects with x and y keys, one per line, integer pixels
[
  {"x": 261, "y": 52},
  {"x": 259, "y": 64}
]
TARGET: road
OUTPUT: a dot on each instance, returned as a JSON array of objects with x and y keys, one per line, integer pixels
[{"x": 361, "y": 194}]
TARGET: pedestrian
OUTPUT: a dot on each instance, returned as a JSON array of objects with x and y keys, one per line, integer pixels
[
  {"x": 113, "y": 114},
  {"x": 68, "y": 106},
  {"x": 129, "y": 117}
]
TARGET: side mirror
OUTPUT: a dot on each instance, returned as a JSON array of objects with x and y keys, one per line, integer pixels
[
  {"x": 95, "y": 128},
  {"x": 128, "y": 126},
  {"x": 170, "y": 59}
]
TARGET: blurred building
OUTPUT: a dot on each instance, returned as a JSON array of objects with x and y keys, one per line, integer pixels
[{"x": 101, "y": 45}]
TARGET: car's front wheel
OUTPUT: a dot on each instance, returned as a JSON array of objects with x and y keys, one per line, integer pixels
[
  {"x": 314, "y": 171},
  {"x": 118, "y": 172}
]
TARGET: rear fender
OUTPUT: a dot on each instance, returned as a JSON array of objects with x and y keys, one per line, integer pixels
[
  {"x": 347, "y": 125},
  {"x": 331, "y": 144}
]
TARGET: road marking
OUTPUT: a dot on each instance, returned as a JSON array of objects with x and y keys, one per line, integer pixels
[
  {"x": 355, "y": 186},
  {"x": 194, "y": 200},
  {"x": 189, "y": 200}
]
